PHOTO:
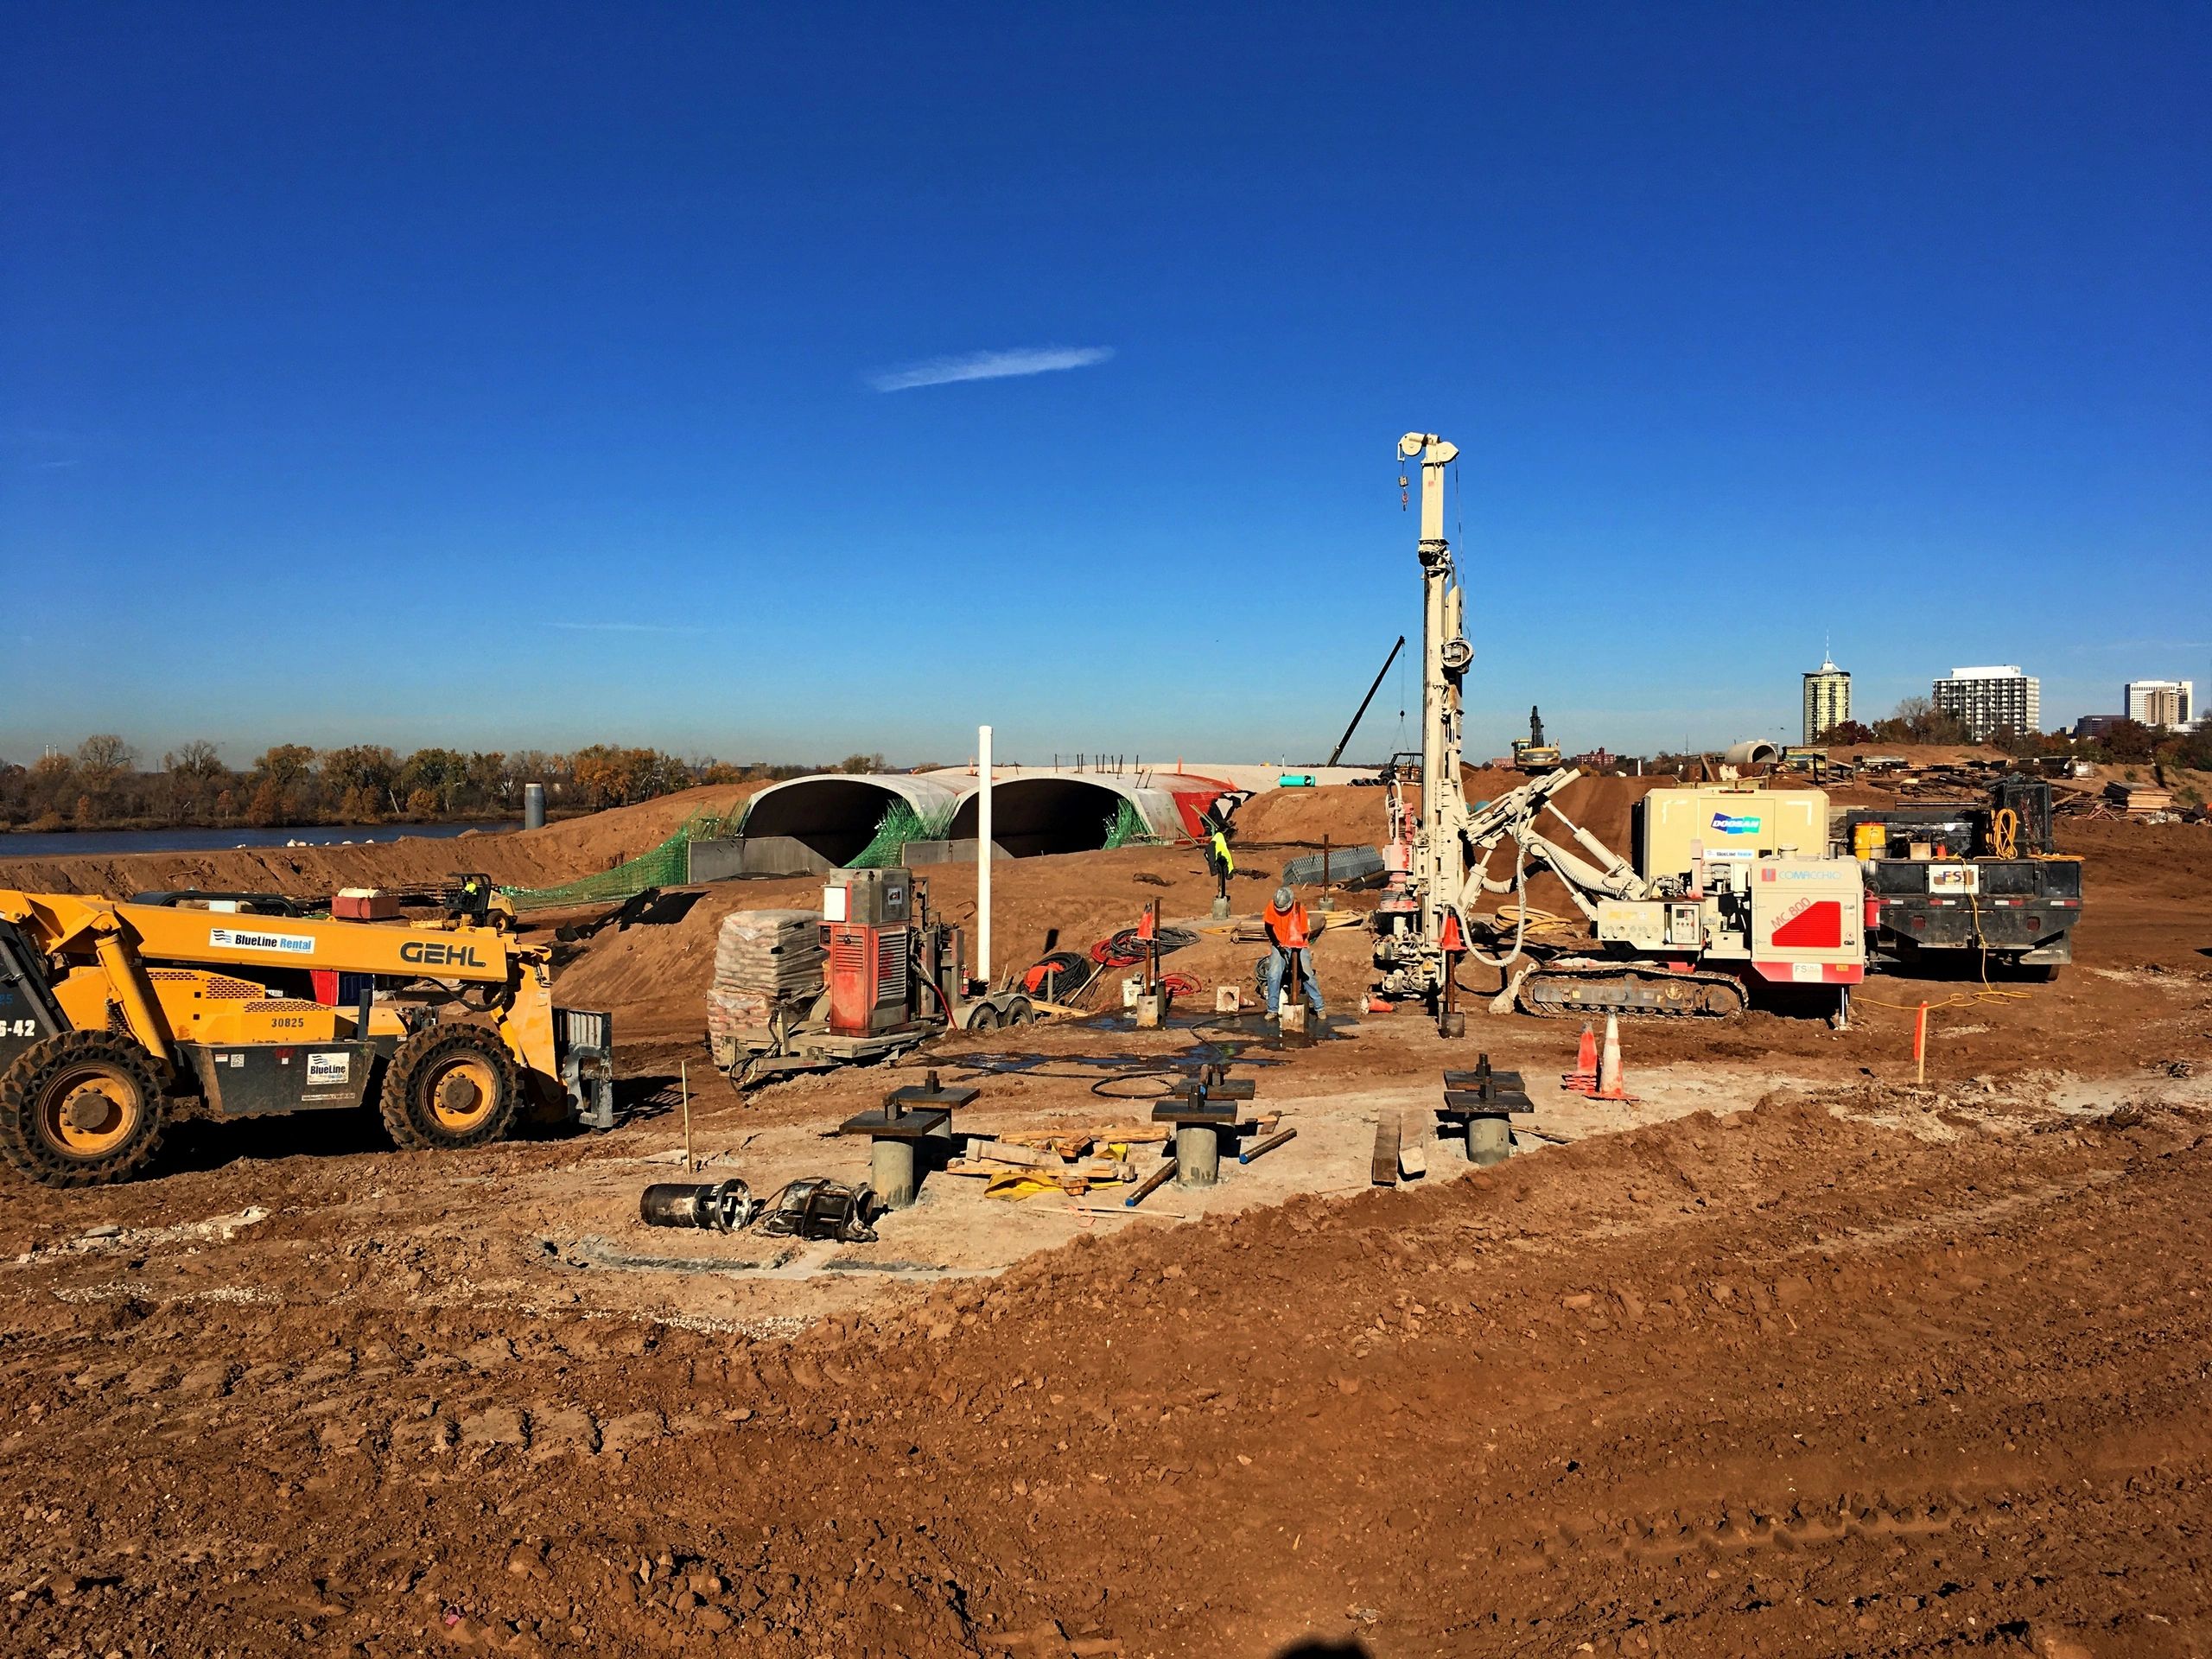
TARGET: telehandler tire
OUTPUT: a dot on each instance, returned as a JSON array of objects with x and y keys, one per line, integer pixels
[
  {"x": 449, "y": 1087},
  {"x": 83, "y": 1109}
]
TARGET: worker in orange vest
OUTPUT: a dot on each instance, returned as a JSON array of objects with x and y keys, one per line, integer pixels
[{"x": 1288, "y": 934}]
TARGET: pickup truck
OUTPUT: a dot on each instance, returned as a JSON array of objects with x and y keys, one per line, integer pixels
[{"x": 1967, "y": 876}]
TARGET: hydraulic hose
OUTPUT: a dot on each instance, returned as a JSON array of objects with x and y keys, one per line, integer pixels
[{"x": 1521, "y": 917}]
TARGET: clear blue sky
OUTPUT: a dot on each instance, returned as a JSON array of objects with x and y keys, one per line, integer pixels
[{"x": 513, "y": 376}]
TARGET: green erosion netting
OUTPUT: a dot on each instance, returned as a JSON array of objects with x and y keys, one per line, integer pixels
[
  {"x": 899, "y": 824},
  {"x": 668, "y": 865},
  {"x": 1126, "y": 828}
]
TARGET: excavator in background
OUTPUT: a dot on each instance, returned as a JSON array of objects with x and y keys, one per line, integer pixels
[
  {"x": 1531, "y": 754},
  {"x": 1732, "y": 886},
  {"x": 116, "y": 1018}
]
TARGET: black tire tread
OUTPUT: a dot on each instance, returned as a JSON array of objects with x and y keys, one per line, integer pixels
[
  {"x": 19, "y": 1089},
  {"x": 411, "y": 1132}
]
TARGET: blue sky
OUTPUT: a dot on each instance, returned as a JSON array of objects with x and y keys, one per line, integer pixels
[{"x": 520, "y": 376}]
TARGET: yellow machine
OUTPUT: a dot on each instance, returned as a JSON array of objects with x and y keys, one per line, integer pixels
[{"x": 116, "y": 1018}]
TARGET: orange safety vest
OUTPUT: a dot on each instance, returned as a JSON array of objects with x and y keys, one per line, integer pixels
[{"x": 1285, "y": 927}]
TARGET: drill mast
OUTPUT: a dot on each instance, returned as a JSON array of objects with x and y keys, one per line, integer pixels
[{"x": 1438, "y": 869}]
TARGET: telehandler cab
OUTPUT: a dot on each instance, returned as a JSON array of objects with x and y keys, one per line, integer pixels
[{"x": 116, "y": 1018}]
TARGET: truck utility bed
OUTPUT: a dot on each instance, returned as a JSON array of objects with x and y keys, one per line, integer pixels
[
  {"x": 2021, "y": 908},
  {"x": 1967, "y": 876}
]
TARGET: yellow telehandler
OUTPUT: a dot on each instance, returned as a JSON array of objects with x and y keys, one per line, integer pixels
[{"x": 118, "y": 1017}]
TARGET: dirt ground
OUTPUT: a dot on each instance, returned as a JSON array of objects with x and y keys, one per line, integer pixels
[{"x": 1786, "y": 1356}]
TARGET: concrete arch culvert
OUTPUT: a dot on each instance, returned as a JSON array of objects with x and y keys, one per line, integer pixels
[
  {"x": 1033, "y": 816},
  {"x": 837, "y": 815}
]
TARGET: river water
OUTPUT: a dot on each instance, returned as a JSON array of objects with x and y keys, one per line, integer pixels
[{"x": 27, "y": 844}]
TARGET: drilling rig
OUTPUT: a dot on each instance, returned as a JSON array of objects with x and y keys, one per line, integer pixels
[{"x": 1732, "y": 887}]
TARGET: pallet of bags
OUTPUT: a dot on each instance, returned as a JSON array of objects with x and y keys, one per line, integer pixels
[
  {"x": 764, "y": 959},
  {"x": 769, "y": 950}
]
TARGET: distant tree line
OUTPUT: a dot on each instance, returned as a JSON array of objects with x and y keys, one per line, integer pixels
[
  {"x": 2124, "y": 743},
  {"x": 102, "y": 785}
]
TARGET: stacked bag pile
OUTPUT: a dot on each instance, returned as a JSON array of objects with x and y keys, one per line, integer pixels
[{"x": 763, "y": 959}]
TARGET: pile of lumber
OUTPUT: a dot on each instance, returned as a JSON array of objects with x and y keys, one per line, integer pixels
[
  {"x": 2138, "y": 800},
  {"x": 1073, "y": 1159},
  {"x": 763, "y": 958}
]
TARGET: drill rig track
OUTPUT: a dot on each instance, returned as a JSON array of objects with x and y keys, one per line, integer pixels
[{"x": 1573, "y": 986}]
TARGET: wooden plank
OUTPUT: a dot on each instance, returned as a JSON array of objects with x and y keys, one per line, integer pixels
[
  {"x": 983, "y": 1167},
  {"x": 1069, "y": 1143},
  {"x": 1383, "y": 1169},
  {"x": 1008, "y": 1152},
  {"x": 1095, "y": 1170}
]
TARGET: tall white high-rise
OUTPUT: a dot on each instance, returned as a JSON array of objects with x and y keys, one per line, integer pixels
[{"x": 1991, "y": 700}]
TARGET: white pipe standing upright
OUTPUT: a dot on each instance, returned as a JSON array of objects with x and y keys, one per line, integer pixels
[{"x": 983, "y": 857}]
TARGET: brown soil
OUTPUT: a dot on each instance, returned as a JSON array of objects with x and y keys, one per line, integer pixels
[{"x": 1833, "y": 1365}]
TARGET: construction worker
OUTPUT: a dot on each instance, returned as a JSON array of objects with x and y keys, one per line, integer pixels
[
  {"x": 1288, "y": 934},
  {"x": 1218, "y": 861}
]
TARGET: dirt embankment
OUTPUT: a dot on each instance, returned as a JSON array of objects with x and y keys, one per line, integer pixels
[
  {"x": 1354, "y": 816},
  {"x": 560, "y": 852}
]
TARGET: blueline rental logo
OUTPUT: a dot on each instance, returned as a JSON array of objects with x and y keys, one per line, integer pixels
[{"x": 1730, "y": 823}]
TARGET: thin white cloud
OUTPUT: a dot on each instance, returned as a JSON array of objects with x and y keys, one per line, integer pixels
[
  {"x": 989, "y": 365},
  {"x": 2099, "y": 647},
  {"x": 624, "y": 627}
]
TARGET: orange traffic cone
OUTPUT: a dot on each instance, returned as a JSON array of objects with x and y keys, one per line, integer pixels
[
  {"x": 1584, "y": 1077},
  {"x": 1609, "y": 1070}
]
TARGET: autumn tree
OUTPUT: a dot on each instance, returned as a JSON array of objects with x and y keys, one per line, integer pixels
[
  {"x": 51, "y": 788},
  {"x": 361, "y": 776},
  {"x": 267, "y": 805},
  {"x": 194, "y": 772},
  {"x": 488, "y": 778},
  {"x": 104, "y": 756},
  {"x": 601, "y": 773},
  {"x": 197, "y": 758},
  {"x": 2128, "y": 741},
  {"x": 438, "y": 773}
]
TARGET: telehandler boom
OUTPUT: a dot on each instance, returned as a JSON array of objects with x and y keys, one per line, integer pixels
[{"x": 116, "y": 1018}]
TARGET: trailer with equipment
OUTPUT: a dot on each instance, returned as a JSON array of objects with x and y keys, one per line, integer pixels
[
  {"x": 116, "y": 1018},
  {"x": 889, "y": 979}
]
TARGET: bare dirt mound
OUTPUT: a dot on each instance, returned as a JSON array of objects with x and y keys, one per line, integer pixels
[
  {"x": 560, "y": 852},
  {"x": 1349, "y": 815}
]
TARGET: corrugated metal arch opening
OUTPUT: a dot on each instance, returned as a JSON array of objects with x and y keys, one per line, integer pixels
[
  {"x": 836, "y": 815},
  {"x": 1031, "y": 817}
]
